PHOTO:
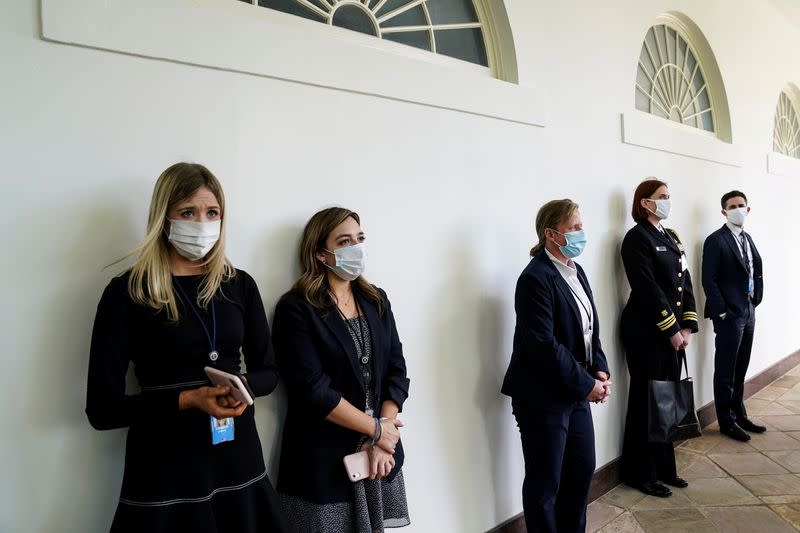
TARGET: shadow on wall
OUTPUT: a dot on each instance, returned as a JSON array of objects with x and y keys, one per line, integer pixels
[
  {"x": 705, "y": 357},
  {"x": 58, "y": 430},
  {"x": 455, "y": 365},
  {"x": 610, "y": 312},
  {"x": 271, "y": 258},
  {"x": 494, "y": 408}
]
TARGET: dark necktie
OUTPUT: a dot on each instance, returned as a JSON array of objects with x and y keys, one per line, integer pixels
[{"x": 745, "y": 255}]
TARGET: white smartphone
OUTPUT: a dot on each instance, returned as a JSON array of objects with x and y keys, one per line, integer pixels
[{"x": 239, "y": 388}]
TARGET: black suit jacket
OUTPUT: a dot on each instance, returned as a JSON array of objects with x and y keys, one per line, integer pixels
[
  {"x": 318, "y": 363},
  {"x": 545, "y": 367},
  {"x": 725, "y": 276}
]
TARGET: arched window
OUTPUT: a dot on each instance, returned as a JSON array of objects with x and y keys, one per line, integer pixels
[
  {"x": 447, "y": 27},
  {"x": 786, "y": 133},
  {"x": 679, "y": 96},
  {"x": 670, "y": 82}
]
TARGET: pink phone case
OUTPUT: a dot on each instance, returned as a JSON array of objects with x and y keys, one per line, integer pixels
[{"x": 357, "y": 466}]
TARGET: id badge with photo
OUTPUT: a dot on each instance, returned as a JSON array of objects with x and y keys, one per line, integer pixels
[{"x": 221, "y": 430}]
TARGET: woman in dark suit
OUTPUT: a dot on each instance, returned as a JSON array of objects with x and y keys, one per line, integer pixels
[
  {"x": 556, "y": 369},
  {"x": 657, "y": 321},
  {"x": 343, "y": 366}
]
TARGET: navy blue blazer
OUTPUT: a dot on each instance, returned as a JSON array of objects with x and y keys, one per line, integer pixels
[
  {"x": 725, "y": 276},
  {"x": 546, "y": 364},
  {"x": 318, "y": 363}
]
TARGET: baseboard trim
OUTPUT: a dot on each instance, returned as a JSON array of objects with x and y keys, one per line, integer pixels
[{"x": 608, "y": 476}]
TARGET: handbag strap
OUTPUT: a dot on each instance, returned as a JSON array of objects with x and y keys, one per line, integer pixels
[{"x": 682, "y": 353}]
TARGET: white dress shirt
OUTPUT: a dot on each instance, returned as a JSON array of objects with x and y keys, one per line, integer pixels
[{"x": 570, "y": 274}]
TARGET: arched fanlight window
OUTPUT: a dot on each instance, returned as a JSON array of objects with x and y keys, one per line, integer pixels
[
  {"x": 786, "y": 133},
  {"x": 447, "y": 27},
  {"x": 670, "y": 81}
]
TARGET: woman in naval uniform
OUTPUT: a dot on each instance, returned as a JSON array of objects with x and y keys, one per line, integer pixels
[{"x": 657, "y": 321}]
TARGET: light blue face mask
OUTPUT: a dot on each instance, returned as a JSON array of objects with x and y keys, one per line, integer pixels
[{"x": 576, "y": 242}]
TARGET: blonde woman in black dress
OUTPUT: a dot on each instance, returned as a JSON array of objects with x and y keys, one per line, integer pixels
[{"x": 180, "y": 308}]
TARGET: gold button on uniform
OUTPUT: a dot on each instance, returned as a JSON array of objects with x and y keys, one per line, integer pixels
[
  {"x": 678, "y": 304},
  {"x": 680, "y": 289}
]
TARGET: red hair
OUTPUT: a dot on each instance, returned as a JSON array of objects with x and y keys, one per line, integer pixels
[{"x": 644, "y": 190}]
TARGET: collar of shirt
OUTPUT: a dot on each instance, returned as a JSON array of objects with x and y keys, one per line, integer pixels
[
  {"x": 569, "y": 270},
  {"x": 736, "y": 230}
]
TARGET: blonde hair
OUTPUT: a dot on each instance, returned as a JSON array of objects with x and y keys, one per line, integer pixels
[
  {"x": 150, "y": 281},
  {"x": 313, "y": 282},
  {"x": 550, "y": 215}
]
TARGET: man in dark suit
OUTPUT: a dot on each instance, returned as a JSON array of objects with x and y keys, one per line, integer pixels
[{"x": 734, "y": 286}]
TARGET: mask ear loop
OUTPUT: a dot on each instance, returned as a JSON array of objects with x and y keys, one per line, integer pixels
[
  {"x": 652, "y": 212},
  {"x": 555, "y": 241}
]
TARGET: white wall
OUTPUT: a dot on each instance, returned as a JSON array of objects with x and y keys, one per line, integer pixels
[{"x": 447, "y": 200}]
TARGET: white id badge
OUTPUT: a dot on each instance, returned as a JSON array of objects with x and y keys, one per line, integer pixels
[
  {"x": 684, "y": 263},
  {"x": 221, "y": 430}
]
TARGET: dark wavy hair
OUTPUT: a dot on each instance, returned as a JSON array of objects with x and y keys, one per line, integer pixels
[{"x": 313, "y": 282}]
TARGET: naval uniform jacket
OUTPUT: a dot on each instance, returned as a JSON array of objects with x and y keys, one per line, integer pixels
[{"x": 662, "y": 300}]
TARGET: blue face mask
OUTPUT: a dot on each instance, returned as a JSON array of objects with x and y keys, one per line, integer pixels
[{"x": 576, "y": 242}]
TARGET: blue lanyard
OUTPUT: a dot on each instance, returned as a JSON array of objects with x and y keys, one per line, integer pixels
[{"x": 212, "y": 337}]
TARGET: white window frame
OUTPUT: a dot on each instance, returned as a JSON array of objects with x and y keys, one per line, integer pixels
[
  {"x": 649, "y": 131},
  {"x": 780, "y": 164},
  {"x": 235, "y": 36}
]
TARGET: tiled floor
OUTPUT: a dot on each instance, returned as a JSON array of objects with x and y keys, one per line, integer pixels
[{"x": 733, "y": 486}]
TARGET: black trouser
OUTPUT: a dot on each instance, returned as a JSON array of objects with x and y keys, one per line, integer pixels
[
  {"x": 733, "y": 342},
  {"x": 648, "y": 357},
  {"x": 558, "y": 446}
]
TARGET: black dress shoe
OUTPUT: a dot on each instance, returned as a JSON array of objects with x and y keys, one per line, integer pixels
[
  {"x": 677, "y": 482},
  {"x": 652, "y": 489},
  {"x": 748, "y": 425},
  {"x": 736, "y": 433}
]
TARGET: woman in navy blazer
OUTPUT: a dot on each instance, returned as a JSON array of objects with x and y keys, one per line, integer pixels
[
  {"x": 556, "y": 369},
  {"x": 342, "y": 363}
]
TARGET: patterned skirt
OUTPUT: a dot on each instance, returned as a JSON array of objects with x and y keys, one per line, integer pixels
[{"x": 377, "y": 504}]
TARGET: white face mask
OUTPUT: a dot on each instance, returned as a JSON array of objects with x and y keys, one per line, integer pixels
[
  {"x": 736, "y": 216},
  {"x": 663, "y": 208},
  {"x": 350, "y": 261},
  {"x": 193, "y": 240}
]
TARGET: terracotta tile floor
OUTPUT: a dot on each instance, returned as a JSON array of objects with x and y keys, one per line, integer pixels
[{"x": 733, "y": 486}]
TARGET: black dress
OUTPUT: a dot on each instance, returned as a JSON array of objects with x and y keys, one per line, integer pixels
[
  {"x": 175, "y": 479},
  {"x": 661, "y": 303}
]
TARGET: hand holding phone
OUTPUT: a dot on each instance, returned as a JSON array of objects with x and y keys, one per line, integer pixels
[
  {"x": 357, "y": 466},
  {"x": 238, "y": 386}
]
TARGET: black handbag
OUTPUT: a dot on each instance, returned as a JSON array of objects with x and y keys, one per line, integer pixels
[{"x": 670, "y": 408}]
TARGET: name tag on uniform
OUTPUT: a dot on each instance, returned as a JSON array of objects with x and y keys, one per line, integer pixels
[
  {"x": 661, "y": 248},
  {"x": 221, "y": 430},
  {"x": 684, "y": 263}
]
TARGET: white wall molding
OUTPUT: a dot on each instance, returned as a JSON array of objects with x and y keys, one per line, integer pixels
[
  {"x": 649, "y": 131},
  {"x": 783, "y": 165},
  {"x": 234, "y": 36}
]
